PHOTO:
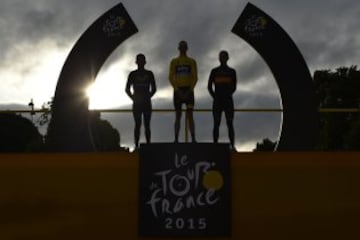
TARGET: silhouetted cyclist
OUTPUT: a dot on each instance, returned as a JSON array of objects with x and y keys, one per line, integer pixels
[
  {"x": 183, "y": 78},
  {"x": 143, "y": 86},
  {"x": 221, "y": 86}
]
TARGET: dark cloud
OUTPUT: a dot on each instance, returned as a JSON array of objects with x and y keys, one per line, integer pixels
[
  {"x": 251, "y": 69},
  {"x": 36, "y": 23}
]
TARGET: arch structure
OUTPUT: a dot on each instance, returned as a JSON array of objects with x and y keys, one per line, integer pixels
[
  {"x": 299, "y": 128},
  {"x": 69, "y": 127}
]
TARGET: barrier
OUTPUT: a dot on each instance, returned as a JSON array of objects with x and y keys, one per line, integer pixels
[{"x": 281, "y": 195}]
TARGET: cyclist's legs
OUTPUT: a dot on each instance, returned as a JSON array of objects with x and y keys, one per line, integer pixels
[
  {"x": 217, "y": 120},
  {"x": 137, "y": 118},
  {"x": 229, "y": 115},
  {"x": 147, "y": 119}
]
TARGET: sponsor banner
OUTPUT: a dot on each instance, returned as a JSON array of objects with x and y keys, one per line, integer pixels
[{"x": 184, "y": 190}]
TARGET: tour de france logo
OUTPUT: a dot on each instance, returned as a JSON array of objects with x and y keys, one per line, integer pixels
[
  {"x": 114, "y": 25},
  {"x": 255, "y": 26},
  {"x": 191, "y": 186},
  {"x": 186, "y": 195}
]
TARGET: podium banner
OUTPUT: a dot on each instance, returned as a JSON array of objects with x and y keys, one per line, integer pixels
[{"x": 184, "y": 190}]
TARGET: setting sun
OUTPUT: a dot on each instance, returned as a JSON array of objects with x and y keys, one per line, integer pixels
[{"x": 108, "y": 90}]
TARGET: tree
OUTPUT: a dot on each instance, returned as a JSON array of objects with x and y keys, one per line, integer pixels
[
  {"x": 338, "y": 89},
  {"x": 265, "y": 146},
  {"x": 352, "y": 137},
  {"x": 18, "y": 134},
  {"x": 105, "y": 137}
]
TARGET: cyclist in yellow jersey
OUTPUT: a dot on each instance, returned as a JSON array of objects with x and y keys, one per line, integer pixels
[{"x": 183, "y": 78}]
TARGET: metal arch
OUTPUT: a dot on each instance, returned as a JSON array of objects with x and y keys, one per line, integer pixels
[
  {"x": 68, "y": 129},
  {"x": 300, "y": 116}
]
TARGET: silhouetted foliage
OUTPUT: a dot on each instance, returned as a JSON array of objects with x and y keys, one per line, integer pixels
[
  {"x": 105, "y": 137},
  {"x": 18, "y": 134},
  {"x": 352, "y": 137},
  {"x": 265, "y": 146},
  {"x": 339, "y": 89},
  {"x": 46, "y": 114}
]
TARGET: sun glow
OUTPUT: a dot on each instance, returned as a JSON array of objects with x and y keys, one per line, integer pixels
[{"x": 108, "y": 91}]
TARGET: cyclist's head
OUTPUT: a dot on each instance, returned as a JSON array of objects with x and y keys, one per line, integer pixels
[
  {"x": 183, "y": 47},
  {"x": 140, "y": 59},
  {"x": 223, "y": 56}
]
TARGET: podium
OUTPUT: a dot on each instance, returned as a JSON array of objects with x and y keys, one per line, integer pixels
[{"x": 280, "y": 195}]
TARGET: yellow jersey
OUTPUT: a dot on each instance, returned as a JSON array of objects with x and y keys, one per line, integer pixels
[{"x": 183, "y": 72}]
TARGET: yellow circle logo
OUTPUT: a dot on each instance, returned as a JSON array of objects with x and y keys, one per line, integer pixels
[{"x": 213, "y": 180}]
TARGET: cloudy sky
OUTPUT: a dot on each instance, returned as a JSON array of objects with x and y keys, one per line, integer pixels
[{"x": 37, "y": 35}]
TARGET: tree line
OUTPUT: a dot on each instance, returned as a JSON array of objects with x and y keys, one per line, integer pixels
[
  {"x": 19, "y": 134},
  {"x": 339, "y": 130}
]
